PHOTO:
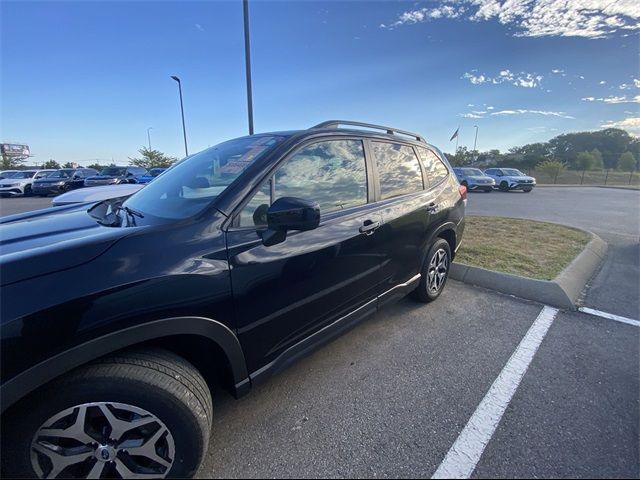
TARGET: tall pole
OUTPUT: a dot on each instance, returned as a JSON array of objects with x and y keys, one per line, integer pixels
[
  {"x": 457, "y": 137},
  {"x": 247, "y": 59},
  {"x": 149, "y": 137},
  {"x": 184, "y": 128},
  {"x": 475, "y": 142}
]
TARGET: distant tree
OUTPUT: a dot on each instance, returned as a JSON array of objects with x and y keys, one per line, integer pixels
[
  {"x": 51, "y": 164},
  {"x": 597, "y": 157},
  {"x": 151, "y": 158},
  {"x": 68, "y": 165},
  {"x": 9, "y": 162},
  {"x": 96, "y": 166},
  {"x": 528, "y": 156},
  {"x": 627, "y": 162},
  {"x": 551, "y": 168},
  {"x": 585, "y": 161}
]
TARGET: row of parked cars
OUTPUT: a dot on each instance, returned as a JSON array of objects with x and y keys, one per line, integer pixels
[
  {"x": 56, "y": 181},
  {"x": 504, "y": 179}
]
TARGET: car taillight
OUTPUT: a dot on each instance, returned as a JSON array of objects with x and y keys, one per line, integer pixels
[{"x": 463, "y": 192}]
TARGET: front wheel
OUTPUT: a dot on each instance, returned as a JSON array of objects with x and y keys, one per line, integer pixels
[
  {"x": 504, "y": 187},
  {"x": 527, "y": 190},
  {"x": 434, "y": 273},
  {"x": 142, "y": 414}
]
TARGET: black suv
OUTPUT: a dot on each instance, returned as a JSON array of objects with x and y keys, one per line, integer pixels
[
  {"x": 115, "y": 175},
  {"x": 60, "y": 181},
  {"x": 232, "y": 264}
]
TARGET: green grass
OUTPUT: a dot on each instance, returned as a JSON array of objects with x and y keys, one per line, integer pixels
[{"x": 521, "y": 247}]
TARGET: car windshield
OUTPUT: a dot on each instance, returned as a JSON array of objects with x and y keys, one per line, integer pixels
[
  {"x": 470, "y": 172},
  {"x": 192, "y": 184},
  {"x": 113, "y": 171},
  {"x": 60, "y": 174},
  {"x": 154, "y": 172},
  {"x": 28, "y": 174},
  {"x": 512, "y": 172}
]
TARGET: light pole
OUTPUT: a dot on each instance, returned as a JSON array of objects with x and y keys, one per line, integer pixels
[
  {"x": 184, "y": 128},
  {"x": 149, "y": 136},
  {"x": 476, "y": 140},
  {"x": 247, "y": 60}
]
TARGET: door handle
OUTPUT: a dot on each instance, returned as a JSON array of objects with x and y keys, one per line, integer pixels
[
  {"x": 368, "y": 227},
  {"x": 432, "y": 208}
]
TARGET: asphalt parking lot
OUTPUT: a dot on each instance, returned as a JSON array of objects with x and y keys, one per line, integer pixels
[{"x": 393, "y": 395}]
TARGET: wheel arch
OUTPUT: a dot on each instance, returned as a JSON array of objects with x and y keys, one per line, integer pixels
[{"x": 202, "y": 341}]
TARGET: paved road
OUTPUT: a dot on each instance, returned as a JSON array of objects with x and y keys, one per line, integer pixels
[
  {"x": 9, "y": 206},
  {"x": 613, "y": 214},
  {"x": 390, "y": 397}
]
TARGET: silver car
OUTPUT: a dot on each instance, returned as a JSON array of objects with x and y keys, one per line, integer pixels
[
  {"x": 21, "y": 182},
  {"x": 474, "y": 179}
]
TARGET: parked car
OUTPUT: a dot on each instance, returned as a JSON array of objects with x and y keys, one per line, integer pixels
[
  {"x": 511, "y": 179},
  {"x": 153, "y": 173},
  {"x": 21, "y": 182},
  {"x": 6, "y": 173},
  {"x": 60, "y": 181},
  {"x": 116, "y": 175},
  {"x": 96, "y": 194},
  {"x": 474, "y": 179},
  {"x": 221, "y": 271}
]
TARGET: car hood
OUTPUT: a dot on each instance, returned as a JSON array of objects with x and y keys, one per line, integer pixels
[
  {"x": 96, "y": 194},
  {"x": 49, "y": 240},
  {"x": 479, "y": 177},
  {"x": 517, "y": 178},
  {"x": 51, "y": 180}
]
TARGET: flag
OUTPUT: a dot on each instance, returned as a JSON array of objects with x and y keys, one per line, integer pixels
[{"x": 455, "y": 134}]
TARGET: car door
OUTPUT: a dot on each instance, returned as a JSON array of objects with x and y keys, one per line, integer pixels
[
  {"x": 286, "y": 293},
  {"x": 405, "y": 206}
]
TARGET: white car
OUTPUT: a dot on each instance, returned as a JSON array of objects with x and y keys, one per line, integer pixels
[
  {"x": 96, "y": 194},
  {"x": 20, "y": 182},
  {"x": 511, "y": 179}
]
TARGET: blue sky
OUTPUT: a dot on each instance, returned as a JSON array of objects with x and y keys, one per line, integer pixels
[{"x": 82, "y": 81}]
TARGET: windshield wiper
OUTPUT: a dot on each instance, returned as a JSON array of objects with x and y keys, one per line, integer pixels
[{"x": 131, "y": 213}]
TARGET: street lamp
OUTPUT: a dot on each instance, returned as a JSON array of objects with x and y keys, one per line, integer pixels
[
  {"x": 476, "y": 140},
  {"x": 184, "y": 128},
  {"x": 247, "y": 60},
  {"x": 149, "y": 137}
]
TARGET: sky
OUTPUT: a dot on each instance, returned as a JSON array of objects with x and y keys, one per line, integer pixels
[{"x": 83, "y": 80}]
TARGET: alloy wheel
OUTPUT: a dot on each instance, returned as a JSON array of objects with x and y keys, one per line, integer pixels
[
  {"x": 103, "y": 440},
  {"x": 437, "y": 272}
]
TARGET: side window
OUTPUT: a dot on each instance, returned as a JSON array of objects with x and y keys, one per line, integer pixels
[
  {"x": 398, "y": 169},
  {"x": 332, "y": 173},
  {"x": 436, "y": 170}
]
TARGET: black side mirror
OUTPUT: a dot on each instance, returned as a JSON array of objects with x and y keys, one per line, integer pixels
[{"x": 289, "y": 213}]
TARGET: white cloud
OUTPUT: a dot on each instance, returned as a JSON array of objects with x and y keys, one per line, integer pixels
[
  {"x": 602, "y": 82},
  {"x": 199, "y": 27},
  {"x": 631, "y": 123},
  {"x": 490, "y": 108},
  {"x": 629, "y": 86},
  {"x": 538, "y": 18},
  {"x": 522, "y": 79},
  {"x": 471, "y": 115},
  {"x": 613, "y": 99},
  {"x": 521, "y": 111}
]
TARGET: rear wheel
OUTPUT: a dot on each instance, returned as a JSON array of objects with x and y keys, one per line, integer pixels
[
  {"x": 434, "y": 273},
  {"x": 504, "y": 187},
  {"x": 27, "y": 191},
  {"x": 141, "y": 414},
  {"x": 527, "y": 189}
]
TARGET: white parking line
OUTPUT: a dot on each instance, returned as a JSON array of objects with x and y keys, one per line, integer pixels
[
  {"x": 609, "y": 316},
  {"x": 463, "y": 456}
]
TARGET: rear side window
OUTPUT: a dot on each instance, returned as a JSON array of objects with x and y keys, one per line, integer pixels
[
  {"x": 398, "y": 169},
  {"x": 436, "y": 170},
  {"x": 332, "y": 173}
]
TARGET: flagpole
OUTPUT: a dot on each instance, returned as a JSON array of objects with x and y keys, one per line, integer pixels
[{"x": 457, "y": 137}]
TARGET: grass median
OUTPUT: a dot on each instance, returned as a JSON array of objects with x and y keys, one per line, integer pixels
[{"x": 521, "y": 247}]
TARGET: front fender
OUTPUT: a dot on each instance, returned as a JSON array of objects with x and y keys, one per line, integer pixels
[{"x": 47, "y": 370}]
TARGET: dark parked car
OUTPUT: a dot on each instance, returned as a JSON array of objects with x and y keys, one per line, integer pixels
[
  {"x": 116, "y": 175},
  {"x": 153, "y": 173},
  {"x": 224, "y": 270},
  {"x": 60, "y": 181}
]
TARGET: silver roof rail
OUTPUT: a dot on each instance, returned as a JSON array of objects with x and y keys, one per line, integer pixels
[{"x": 388, "y": 130}]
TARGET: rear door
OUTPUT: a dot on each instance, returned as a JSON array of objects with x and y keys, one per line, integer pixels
[
  {"x": 404, "y": 204},
  {"x": 285, "y": 293}
]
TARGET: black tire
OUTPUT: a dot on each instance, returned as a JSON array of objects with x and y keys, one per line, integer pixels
[
  {"x": 527, "y": 190},
  {"x": 504, "y": 187},
  {"x": 43, "y": 195},
  {"x": 488, "y": 190},
  {"x": 27, "y": 191},
  {"x": 422, "y": 292},
  {"x": 158, "y": 381}
]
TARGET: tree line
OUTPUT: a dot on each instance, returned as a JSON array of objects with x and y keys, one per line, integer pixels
[{"x": 611, "y": 148}]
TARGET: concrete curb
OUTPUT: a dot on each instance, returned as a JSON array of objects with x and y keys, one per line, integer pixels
[{"x": 562, "y": 292}]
